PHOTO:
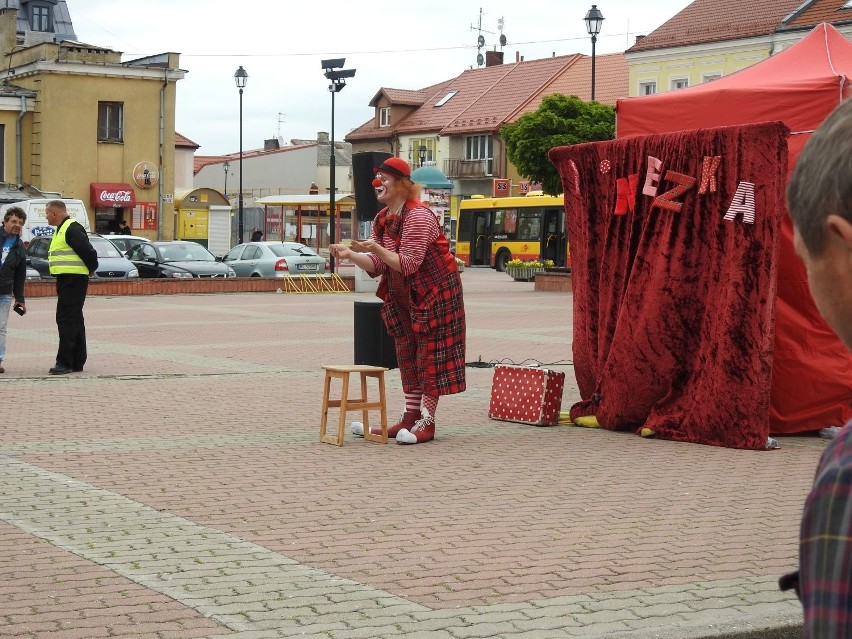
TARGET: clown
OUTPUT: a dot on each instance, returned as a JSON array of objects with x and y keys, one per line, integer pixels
[{"x": 423, "y": 308}]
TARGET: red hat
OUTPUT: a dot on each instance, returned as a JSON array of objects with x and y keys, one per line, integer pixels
[{"x": 395, "y": 166}]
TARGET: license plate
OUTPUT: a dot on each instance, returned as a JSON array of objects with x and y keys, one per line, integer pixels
[{"x": 306, "y": 267}]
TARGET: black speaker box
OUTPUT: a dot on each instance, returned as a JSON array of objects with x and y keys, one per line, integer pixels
[
  {"x": 373, "y": 345},
  {"x": 363, "y": 163}
]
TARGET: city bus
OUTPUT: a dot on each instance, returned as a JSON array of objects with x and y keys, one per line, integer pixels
[{"x": 493, "y": 230}]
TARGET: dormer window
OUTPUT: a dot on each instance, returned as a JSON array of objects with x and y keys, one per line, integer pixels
[
  {"x": 384, "y": 116},
  {"x": 40, "y": 17}
]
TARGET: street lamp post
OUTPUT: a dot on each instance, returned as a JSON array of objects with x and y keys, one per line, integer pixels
[
  {"x": 594, "y": 20},
  {"x": 421, "y": 153},
  {"x": 227, "y": 167},
  {"x": 241, "y": 77},
  {"x": 338, "y": 81}
]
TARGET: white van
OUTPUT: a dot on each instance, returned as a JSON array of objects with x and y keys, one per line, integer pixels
[{"x": 36, "y": 224}]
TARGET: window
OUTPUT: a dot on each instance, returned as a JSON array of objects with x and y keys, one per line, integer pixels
[
  {"x": 429, "y": 143},
  {"x": 445, "y": 99},
  {"x": 709, "y": 77},
  {"x": 110, "y": 122},
  {"x": 40, "y": 17},
  {"x": 384, "y": 116},
  {"x": 680, "y": 83},
  {"x": 480, "y": 147},
  {"x": 529, "y": 225},
  {"x": 251, "y": 253},
  {"x": 648, "y": 88}
]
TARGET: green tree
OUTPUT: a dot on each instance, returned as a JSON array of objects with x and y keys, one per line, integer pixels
[{"x": 559, "y": 120}]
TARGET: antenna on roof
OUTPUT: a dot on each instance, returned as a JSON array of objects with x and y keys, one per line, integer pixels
[
  {"x": 500, "y": 24},
  {"x": 281, "y": 118},
  {"x": 480, "y": 39}
]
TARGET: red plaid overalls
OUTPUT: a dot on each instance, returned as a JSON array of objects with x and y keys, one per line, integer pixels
[{"x": 423, "y": 311}]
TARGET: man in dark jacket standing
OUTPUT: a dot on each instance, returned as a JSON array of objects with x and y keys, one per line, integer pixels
[
  {"x": 72, "y": 259},
  {"x": 13, "y": 271}
]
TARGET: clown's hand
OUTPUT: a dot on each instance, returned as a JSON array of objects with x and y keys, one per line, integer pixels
[
  {"x": 340, "y": 251},
  {"x": 364, "y": 246}
]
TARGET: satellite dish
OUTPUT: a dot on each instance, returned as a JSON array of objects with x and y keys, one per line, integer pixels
[
  {"x": 481, "y": 41},
  {"x": 502, "y": 40},
  {"x": 479, "y": 59}
]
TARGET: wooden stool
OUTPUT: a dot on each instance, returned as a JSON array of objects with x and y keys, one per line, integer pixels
[{"x": 358, "y": 403}]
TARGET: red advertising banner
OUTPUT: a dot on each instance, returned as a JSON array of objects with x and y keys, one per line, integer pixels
[{"x": 145, "y": 216}]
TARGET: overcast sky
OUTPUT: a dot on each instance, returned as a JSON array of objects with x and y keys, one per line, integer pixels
[{"x": 399, "y": 44}]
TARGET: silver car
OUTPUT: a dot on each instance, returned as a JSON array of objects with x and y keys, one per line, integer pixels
[{"x": 275, "y": 259}]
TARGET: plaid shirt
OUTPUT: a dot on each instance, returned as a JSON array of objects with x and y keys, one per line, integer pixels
[{"x": 825, "y": 545}]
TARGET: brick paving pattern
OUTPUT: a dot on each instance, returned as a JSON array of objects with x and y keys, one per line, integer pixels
[{"x": 177, "y": 489}]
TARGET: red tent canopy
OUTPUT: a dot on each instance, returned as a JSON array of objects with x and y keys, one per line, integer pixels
[{"x": 812, "y": 370}]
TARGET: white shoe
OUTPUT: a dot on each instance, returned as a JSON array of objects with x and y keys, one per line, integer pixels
[{"x": 357, "y": 429}]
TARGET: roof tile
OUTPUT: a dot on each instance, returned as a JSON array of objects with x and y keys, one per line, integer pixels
[
  {"x": 717, "y": 20},
  {"x": 488, "y": 97}
]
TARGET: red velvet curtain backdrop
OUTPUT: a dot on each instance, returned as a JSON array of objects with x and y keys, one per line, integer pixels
[{"x": 674, "y": 305}]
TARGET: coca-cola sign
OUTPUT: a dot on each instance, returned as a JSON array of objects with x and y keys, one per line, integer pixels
[
  {"x": 117, "y": 197},
  {"x": 146, "y": 175}
]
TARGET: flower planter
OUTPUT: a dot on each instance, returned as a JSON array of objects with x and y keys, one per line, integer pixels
[{"x": 523, "y": 273}]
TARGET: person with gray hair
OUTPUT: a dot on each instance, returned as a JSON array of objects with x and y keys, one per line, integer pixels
[
  {"x": 13, "y": 271},
  {"x": 819, "y": 198}
]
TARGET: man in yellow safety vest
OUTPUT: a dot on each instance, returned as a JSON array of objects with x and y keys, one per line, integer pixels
[{"x": 71, "y": 259}]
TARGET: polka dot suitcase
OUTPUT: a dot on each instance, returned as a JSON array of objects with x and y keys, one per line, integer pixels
[{"x": 526, "y": 394}]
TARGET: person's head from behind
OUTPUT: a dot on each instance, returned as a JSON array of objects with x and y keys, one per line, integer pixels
[
  {"x": 13, "y": 220},
  {"x": 819, "y": 197},
  {"x": 55, "y": 212}
]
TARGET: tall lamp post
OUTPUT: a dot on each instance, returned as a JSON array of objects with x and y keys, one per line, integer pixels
[
  {"x": 421, "y": 153},
  {"x": 334, "y": 72},
  {"x": 227, "y": 167},
  {"x": 241, "y": 77},
  {"x": 594, "y": 20}
]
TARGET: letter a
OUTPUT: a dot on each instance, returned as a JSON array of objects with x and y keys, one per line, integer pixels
[{"x": 743, "y": 202}]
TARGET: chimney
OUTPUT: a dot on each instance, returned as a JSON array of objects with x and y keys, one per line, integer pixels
[
  {"x": 322, "y": 137},
  {"x": 638, "y": 38},
  {"x": 271, "y": 145},
  {"x": 8, "y": 31},
  {"x": 493, "y": 58}
]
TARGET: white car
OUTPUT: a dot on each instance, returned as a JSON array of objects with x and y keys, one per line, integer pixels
[{"x": 126, "y": 242}]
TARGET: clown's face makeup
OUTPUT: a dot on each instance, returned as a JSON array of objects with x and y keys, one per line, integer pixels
[
  {"x": 379, "y": 188},
  {"x": 387, "y": 187}
]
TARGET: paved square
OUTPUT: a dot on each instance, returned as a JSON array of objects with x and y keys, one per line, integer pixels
[{"x": 177, "y": 488}]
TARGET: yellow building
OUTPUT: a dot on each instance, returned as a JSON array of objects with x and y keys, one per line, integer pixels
[
  {"x": 704, "y": 41},
  {"x": 81, "y": 123}
]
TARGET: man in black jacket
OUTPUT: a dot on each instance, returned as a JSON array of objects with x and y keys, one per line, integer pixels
[
  {"x": 13, "y": 271},
  {"x": 72, "y": 259}
]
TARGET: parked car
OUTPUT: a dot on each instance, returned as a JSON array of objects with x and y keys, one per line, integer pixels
[
  {"x": 126, "y": 242},
  {"x": 111, "y": 263},
  {"x": 275, "y": 259},
  {"x": 180, "y": 258},
  {"x": 32, "y": 274}
]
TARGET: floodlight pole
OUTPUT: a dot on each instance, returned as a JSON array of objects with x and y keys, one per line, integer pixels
[{"x": 338, "y": 81}]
